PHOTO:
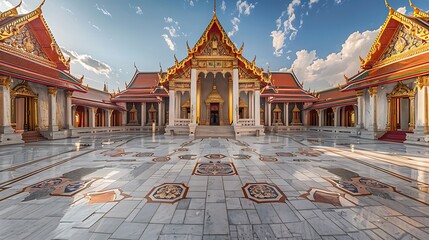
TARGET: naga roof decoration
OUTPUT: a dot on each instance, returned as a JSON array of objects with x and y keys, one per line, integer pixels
[
  {"x": 414, "y": 26},
  {"x": 11, "y": 12},
  {"x": 400, "y": 51},
  {"x": 12, "y": 24},
  {"x": 201, "y": 45}
]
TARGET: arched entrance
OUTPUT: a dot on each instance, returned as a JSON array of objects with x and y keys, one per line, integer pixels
[
  {"x": 214, "y": 108},
  {"x": 400, "y": 112},
  {"x": 116, "y": 118},
  {"x": 24, "y": 108}
]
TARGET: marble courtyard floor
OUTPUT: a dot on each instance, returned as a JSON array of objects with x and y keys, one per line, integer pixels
[{"x": 291, "y": 186}]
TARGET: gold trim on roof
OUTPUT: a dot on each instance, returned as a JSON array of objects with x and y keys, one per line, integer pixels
[
  {"x": 11, "y": 12},
  {"x": 415, "y": 28},
  {"x": 224, "y": 39},
  {"x": 419, "y": 13}
]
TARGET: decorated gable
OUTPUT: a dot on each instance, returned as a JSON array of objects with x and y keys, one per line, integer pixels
[{"x": 401, "y": 36}]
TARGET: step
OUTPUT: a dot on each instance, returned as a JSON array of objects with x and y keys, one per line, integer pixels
[{"x": 32, "y": 136}]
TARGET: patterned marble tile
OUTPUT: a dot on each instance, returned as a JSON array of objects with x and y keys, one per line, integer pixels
[
  {"x": 263, "y": 193},
  {"x": 215, "y": 169},
  {"x": 167, "y": 193}
]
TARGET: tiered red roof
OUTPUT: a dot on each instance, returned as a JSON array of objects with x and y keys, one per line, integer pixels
[
  {"x": 405, "y": 62},
  {"x": 334, "y": 97},
  {"x": 51, "y": 70},
  {"x": 95, "y": 98},
  {"x": 286, "y": 88},
  {"x": 143, "y": 87}
]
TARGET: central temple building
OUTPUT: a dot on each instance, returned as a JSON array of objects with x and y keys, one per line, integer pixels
[{"x": 214, "y": 86}]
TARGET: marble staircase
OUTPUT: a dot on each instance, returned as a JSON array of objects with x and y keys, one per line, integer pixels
[
  {"x": 215, "y": 131},
  {"x": 394, "y": 136},
  {"x": 32, "y": 136}
]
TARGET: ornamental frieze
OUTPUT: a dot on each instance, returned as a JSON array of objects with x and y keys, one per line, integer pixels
[{"x": 25, "y": 41}]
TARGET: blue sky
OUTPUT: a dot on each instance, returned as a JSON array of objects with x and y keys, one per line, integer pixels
[{"x": 320, "y": 39}]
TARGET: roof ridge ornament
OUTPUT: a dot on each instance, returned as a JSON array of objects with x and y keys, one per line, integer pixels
[
  {"x": 214, "y": 8},
  {"x": 11, "y": 12}
]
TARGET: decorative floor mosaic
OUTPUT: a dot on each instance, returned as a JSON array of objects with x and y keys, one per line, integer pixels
[
  {"x": 268, "y": 159},
  {"x": 242, "y": 156},
  {"x": 309, "y": 152},
  {"x": 361, "y": 186},
  {"x": 161, "y": 159},
  {"x": 215, "y": 156},
  {"x": 144, "y": 154},
  {"x": 100, "y": 197},
  {"x": 114, "y": 153},
  {"x": 323, "y": 196},
  {"x": 188, "y": 157},
  {"x": 263, "y": 193},
  {"x": 167, "y": 193},
  {"x": 59, "y": 186},
  {"x": 215, "y": 169},
  {"x": 285, "y": 154}
]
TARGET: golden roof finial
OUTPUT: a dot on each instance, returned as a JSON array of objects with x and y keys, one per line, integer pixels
[
  {"x": 241, "y": 48},
  {"x": 175, "y": 60},
  {"x": 387, "y": 4},
  {"x": 187, "y": 46},
  {"x": 40, "y": 6},
  {"x": 11, "y": 12},
  {"x": 346, "y": 78},
  {"x": 411, "y": 4},
  {"x": 214, "y": 8}
]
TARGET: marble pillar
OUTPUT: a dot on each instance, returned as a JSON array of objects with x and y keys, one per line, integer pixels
[
  {"x": 320, "y": 114},
  {"x": 5, "y": 106},
  {"x": 269, "y": 114},
  {"x": 257, "y": 107},
  {"x": 286, "y": 108},
  {"x": 91, "y": 116},
  {"x": 235, "y": 96},
  {"x": 194, "y": 96},
  {"x": 109, "y": 117},
  {"x": 172, "y": 108},
  {"x": 373, "y": 108},
  {"x": 360, "y": 109},
  {"x": 52, "y": 98},
  {"x": 69, "y": 110}
]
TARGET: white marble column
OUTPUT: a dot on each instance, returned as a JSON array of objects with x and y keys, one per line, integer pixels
[
  {"x": 257, "y": 108},
  {"x": 250, "y": 100},
  {"x": 124, "y": 115},
  {"x": 69, "y": 110},
  {"x": 143, "y": 114},
  {"x": 422, "y": 107},
  {"x": 320, "y": 112},
  {"x": 91, "y": 116},
  {"x": 5, "y": 106},
  {"x": 269, "y": 114},
  {"x": 160, "y": 113},
  {"x": 73, "y": 115},
  {"x": 52, "y": 99},
  {"x": 194, "y": 96},
  {"x": 360, "y": 108},
  {"x": 109, "y": 117},
  {"x": 373, "y": 108},
  {"x": 286, "y": 114},
  {"x": 235, "y": 96},
  {"x": 178, "y": 105},
  {"x": 172, "y": 108}
]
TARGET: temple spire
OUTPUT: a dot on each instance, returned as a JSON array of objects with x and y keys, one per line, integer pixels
[{"x": 214, "y": 8}]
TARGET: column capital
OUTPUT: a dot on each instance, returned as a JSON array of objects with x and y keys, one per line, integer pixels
[
  {"x": 5, "y": 81},
  {"x": 359, "y": 93},
  {"x": 373, "y": 91},
  {"x": 422, "y": 81},
  {"x": 52, "y": 91},
  {"x": 69, "y": 94}
]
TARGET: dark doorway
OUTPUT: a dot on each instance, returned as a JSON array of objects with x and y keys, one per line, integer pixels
[{"x": 214, "y": 114}]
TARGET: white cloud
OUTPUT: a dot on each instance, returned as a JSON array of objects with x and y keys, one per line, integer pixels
[
  {"x": 169, "y": 42},
  {"x": 172, "y": 31},
  {"x": 338, "y": 1},
  {"x": 402, "y": 10},
  {"x": 168, "y": 19},
  {"x": 191, "y": 2},
  {"x": 244, "y": 7},
  {"x": 96, "y": 27},
  {"x": 321, "y": 73},
  {"x": 278, "y": 42},
  {"x": 67, "y": 10},
  {"x": 223, "y": 6},
  {"x": 103, "y": 10},
  {"x": 139, "y": 11},
  {"x": 88, "y": 62},
  {"x": 311, "y": 2},
  {"x": 235, "y": 21},
  {"x": 285, "y": 29}
]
